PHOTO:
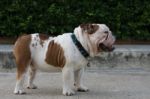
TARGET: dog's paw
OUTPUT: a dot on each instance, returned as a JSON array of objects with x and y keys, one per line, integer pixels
[
  {"x": 68, "y": 92},
  {"x": 19, "y": 92},
  {"x": 32, "y": 86},
  {"x": 82, "y": 89}
]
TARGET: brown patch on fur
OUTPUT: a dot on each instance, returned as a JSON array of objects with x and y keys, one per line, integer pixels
[
  {"x": 22, "y": 54},
  {"x": 55, "y": 55},
  {"x": 90, "y": 28},
  {"x": 43, "y": 37}
]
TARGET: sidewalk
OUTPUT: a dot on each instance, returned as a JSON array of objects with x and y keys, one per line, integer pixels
[
  {"x": 123, "y": 57},
  {"x": 102, "y": 85}
]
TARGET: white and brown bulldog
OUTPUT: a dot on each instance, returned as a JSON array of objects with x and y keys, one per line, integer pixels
[{"x": 67, "y": 53}]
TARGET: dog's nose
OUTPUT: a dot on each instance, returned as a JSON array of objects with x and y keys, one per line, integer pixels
[{"x": 113, "y": 48}]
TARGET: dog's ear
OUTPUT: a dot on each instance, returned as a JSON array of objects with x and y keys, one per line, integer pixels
[{"x": 89, "y": 28}]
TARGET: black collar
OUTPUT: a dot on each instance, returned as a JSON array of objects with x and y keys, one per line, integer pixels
[{"x": 79, "y": 46}]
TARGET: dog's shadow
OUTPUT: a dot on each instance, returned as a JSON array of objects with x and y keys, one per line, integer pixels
[
  {"x": 45, "y": 91},
  {"x": 50, "y": 91}
]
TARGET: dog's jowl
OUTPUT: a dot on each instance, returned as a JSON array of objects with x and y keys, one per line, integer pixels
[{"x": 68, "y": 53}]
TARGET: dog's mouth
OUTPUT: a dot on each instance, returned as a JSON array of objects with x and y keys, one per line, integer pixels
[{"x": 106, "y": 48}]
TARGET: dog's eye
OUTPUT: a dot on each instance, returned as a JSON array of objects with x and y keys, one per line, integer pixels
[
  {"x": 106, "y": 32},
  {"x": 106, "y": 37}
]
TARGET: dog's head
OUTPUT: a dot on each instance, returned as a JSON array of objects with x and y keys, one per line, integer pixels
[{"x": 96, "y": 37}]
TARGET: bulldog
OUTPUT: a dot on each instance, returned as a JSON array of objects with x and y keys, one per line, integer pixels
[{"x": 68, "y": 53}]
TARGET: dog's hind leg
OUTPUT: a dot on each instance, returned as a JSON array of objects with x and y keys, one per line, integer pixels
[
  {"x": 23, "y": 59},
  {"x": 31, "y": 76},
  {"x": 21, "y": 70}
]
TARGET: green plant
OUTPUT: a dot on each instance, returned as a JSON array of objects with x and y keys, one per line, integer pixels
[{"x": 128, "y": 19}]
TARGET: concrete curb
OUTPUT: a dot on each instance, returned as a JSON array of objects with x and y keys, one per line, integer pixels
[
  {"x": 122, "y": 60},
  {"x": 124, "y": 57}
]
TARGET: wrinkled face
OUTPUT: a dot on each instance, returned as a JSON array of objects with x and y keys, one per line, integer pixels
[{"x": 100, "y": 36}]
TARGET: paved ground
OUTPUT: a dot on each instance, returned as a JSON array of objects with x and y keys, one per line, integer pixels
[{"x": 102, "y": 85}]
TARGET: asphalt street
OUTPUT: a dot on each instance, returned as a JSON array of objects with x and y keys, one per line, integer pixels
[{"x": 102, "y": 85}]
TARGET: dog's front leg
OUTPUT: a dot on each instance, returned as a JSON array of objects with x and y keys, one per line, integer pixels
[
  {"x": 78, "y": 74},
  {"x": 67, "y": 74}
]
